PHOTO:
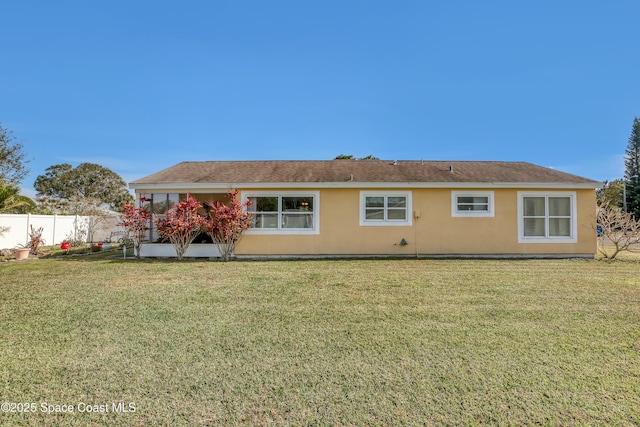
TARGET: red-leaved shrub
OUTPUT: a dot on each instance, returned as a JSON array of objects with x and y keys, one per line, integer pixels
[
  {"x": 227, "y": 222},
  {"x": 136, "y": 221},
  {"x": 182, "y": 224}
]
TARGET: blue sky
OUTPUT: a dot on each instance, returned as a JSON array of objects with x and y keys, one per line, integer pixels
[{"x": 138, "y": 86}]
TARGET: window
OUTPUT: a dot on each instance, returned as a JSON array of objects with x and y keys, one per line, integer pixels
[
  {"x": 284, "y": 213},
  {"x": 158, "y": 204},
  {"x": 547, "y": 217},
  {"x": 388, "y": 208},
  {"x": 472, "y": 204}
]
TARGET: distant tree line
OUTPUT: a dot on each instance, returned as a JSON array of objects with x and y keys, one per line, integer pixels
[
  {"x": 63, "y": 188},
  {"x": 351, "y": 157}
]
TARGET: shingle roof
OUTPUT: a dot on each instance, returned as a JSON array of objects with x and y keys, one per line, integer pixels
[{"x": 358, "y": 171}]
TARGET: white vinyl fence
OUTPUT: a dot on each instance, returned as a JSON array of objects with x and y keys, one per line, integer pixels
[{"x": 56, "y": 228}]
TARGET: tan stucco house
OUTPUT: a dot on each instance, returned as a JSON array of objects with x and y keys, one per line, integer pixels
[{"x": 391, "y": 208}]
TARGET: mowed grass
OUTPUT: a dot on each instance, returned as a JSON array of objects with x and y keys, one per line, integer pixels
[{"x": 333, "y": 342}]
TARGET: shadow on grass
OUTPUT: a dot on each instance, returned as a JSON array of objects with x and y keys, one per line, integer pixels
[{"x": 117, "y": 257}]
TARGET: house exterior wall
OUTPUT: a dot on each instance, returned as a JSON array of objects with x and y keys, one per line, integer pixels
[{"x": 433, "y": 229}]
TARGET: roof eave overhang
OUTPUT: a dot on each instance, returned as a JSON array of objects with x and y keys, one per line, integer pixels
[{"x": 201, "y": 187}]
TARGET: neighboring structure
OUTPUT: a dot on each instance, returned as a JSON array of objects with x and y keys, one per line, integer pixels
[{"x": 393, "y": 208}]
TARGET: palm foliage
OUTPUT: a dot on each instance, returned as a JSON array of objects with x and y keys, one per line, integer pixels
[{"x": 12, "y": 202}]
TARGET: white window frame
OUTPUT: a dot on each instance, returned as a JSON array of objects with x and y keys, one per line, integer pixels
[
  {"x": 490, "y": 212},
  {"x": 291, "y": 231},
  {"x": 385, "y": 222},
  {"x": 572, "y": 238}
]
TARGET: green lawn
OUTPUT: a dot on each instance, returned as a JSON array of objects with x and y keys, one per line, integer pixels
[{"x": 333, "y": 342}]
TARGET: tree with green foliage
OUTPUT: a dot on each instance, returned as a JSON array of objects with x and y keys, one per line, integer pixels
[
  {"x": 11, "y": 202},
  {"x": 611, "y": 191},
  {"x": 13, "y": 160},
  {"x": 62, "y": 183},
  {"x": 55, "y": 182},
  {"x": 632, "y": 170}
]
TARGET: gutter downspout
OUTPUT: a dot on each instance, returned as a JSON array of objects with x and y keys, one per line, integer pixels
[{"x": 416, "y": 216}]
